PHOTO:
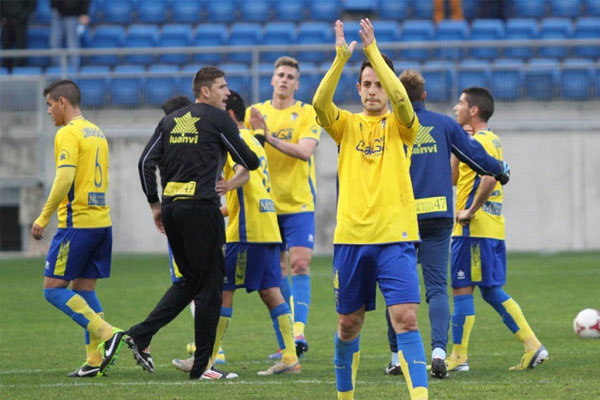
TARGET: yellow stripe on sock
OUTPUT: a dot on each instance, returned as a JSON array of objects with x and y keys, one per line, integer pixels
[
  {"x": 221, "y": 330},
  {"x": 288, "y": 354},
  {"x": 460, "y": 350},
  {"x": 355, "y": 362},
  {"x": 299, "y": 329},
  {"x": 98, "y": 328},
  {"x": 349, "y": 395},
  {"x": 94, "y": 357},
  {"x": 525, "y": 333},
  {"x": 415, "y": 392}
]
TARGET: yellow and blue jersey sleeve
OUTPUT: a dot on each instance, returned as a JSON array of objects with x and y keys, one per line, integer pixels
[
  {"x": 83, "y": 146},
  {"x": 252, "y": 217},
  {"x": 293, "y": 180},
  {"x": 488, "y": 221}
]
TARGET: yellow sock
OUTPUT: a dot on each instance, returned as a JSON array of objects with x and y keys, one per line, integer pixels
[
  {"x": 349, "y": 395},
  {"x": 460, "y": 350},
  {"x": 94, "y": 357},
  {"x": 298, "y": 329},
  {"x": 525, "y": 333},
  {"x": 288, "y": 354},
  {"x": 419, "y": 393},
  {"x": 221, "y": 329},
  {"x": 97, "y": 327}
]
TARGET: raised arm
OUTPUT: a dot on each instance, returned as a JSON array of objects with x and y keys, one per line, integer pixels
[
  {"x": 326, "y": 111},
  {"x": 401, "y": 105}
]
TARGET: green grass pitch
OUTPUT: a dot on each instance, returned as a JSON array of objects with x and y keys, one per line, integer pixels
[{"x": 39, "y": 345}]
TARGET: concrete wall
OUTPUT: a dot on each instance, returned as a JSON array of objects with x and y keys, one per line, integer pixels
[{"x": 550, "y": 202}]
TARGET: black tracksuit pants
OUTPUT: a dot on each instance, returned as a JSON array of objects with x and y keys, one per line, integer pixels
[{"x": 196, "y": 233}]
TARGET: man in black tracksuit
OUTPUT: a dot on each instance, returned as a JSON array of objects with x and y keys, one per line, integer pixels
[{"x": 189, "y": 147}]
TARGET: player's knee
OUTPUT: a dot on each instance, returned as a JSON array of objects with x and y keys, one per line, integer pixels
[
  {"x": 349, "y": 326},
  {"x": 300, "y": 266},
  {"x": 405, "y": 321},
  {"x": 493, "y": 295}
]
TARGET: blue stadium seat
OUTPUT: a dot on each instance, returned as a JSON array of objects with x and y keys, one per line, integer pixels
[
  {"x": 387, "y": 31},
  {"x": 397, "y": 9},
  {"x": 238, "y": 78},
  {"x": 278, "y": 33},
  {"x": 38, "y": 38},
  {"x": 141, "y": 36},
  {"x": 423, "y": 9},
  {"x": 152, "y": 11},
  {"x": 96, "y": 11},
  {"x": 351, "y": 29},
  {"x": 291, "y": 10},
  {"x": 541, "y": 78},
  {"x": 265, "y": 90},
  {"x": 487, "y": 29},
  {"x": 255, "y": 10},
  {"x": 175, "y": 35},
  {"x": 506, "y": 79},
  {"x": 439, "y": 76},
  {"x": 345, "y": 93},
  {"x": 118, "y": 11},
  {"x": 93, "y": 82},
  {"x": 160, "y": 84},
  {"x": 309, "y": 81},
  {"x": 565, "y": 8},
  {"x": 185, "y": 82},
  {"x": 105, "y": 37},
  {"x": 186, "y": 11},
  {"x": 521, "y": 29},
  {"x": 587, "y": 28},
  {"x": 592, "y": 8},
  {"x": 125, "y": 85},
  {"x": 360, "y": 6},
  {"x": 210, "y": 35},
  {"x": 555, "y": 28},
  {"x": 42, "y": 14},
  {"x": 246, "y": 34},
  {"x": 403, "y": 65},
  {"x": 27, "y": 70},
  {"x": 55, "y": 72},
  {"x": 577, "y": 79},
  {"x": 315, "y": 33},
  {"x": 529, "y": 8},
  {"x": 451, "y": 30},
  {"x": 3, "y": 71},
  {"x": 324, "y": 10},
  {"x": 221, "y": 11},
  {"x": 473, "y": 73},
  {"x": 416, "y": 31}
]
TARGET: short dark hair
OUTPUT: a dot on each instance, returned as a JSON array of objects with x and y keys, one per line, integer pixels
[
  {"x": 481, "y": 98},
  {"x": 175, "y": 103},
  {"x": 64, "y": 88},
  {"x": 414, "y": 83},
  {"x": 367, "y": 63},
  {"x": 205, "y": 77},
  {"x": 235, "y": 103}
]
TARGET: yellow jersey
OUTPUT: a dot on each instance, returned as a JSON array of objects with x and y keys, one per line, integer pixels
[
  {"x": 252, "y": 217},
  {"x": 82, "y": 145},
  {"x": 293, "y": 180},
  {"x": 376, "y": 203},
  {"x": 488, "y": 221}
]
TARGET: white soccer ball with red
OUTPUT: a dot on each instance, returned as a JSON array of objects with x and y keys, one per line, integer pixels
[{"x": 587, "y": 324}]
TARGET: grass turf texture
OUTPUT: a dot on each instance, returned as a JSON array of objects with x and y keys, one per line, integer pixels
[{"x": 39, "y": 345}]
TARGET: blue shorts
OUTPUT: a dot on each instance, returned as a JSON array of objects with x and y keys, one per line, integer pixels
[
  {"x": 79, "y": 253},
  {"x": 297, "y": 230},
  {"x": 175, "y": 274},
  {"x": 477, "y": 262},
  {"x": 251, "y": 266},
  {"x": 356, "y": 269}
]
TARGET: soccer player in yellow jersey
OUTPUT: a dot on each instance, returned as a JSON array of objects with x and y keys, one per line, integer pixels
[
  {"x": 478, "y": 253},
  {"x": 292, "y": 137},
  {"x": 252, "y": 250},
  {"x": 80, "y": 252},
  {"x": 376, "y": 215}
]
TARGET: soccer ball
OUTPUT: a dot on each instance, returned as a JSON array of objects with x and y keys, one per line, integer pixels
[{"x": 587, "y": 323}]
